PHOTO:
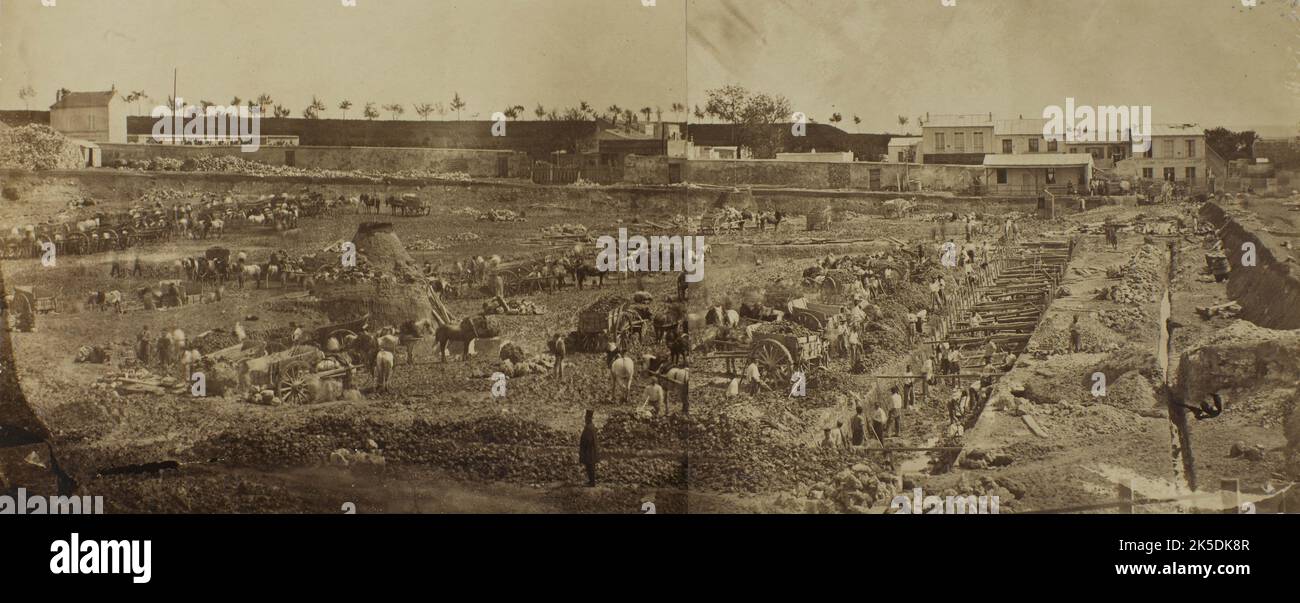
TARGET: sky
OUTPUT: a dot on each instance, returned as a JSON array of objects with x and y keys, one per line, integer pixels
[{"x": 1212, "y": 62}]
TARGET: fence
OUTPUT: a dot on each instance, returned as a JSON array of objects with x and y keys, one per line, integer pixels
[{"x": 549, "y": 174}]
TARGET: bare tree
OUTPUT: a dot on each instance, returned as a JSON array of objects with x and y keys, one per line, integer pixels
[
  {"x": 263, "y": 100},
  {"x": 25, "y": 93},
  {"x": 540, "y": 111},
  {"x": 344, "y": 106},
  {"x": 396, "y": 109},
  {"x": 902, "y": 121},
  {"x": 457, "y": 103},
  {"x": 423, "y": 110},
  {"x": 282, "y": 111}
]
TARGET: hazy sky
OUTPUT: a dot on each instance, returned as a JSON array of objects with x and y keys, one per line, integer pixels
[{"x": 1207, "y": 61}]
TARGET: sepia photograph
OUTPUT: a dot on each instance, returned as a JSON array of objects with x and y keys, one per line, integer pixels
[{"x": 721, "y": 257}]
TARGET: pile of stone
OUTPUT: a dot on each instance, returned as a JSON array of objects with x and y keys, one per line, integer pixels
[
  {"x": 853, "y": 490},
  {"x": 140, "y": 381},
  {"x": 37, "y": 147},
  {"x": 500, "y": 215},
  {"x": 1127, "y": 319},
  {"x": 424, "y": 244},
  {"x": 565, "y": 230}
]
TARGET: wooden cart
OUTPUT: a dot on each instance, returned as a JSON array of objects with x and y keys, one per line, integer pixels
[
  {"x": 290, "y": 375},
  {"x": 778, "y": 355},
  {"x": 622, "y": 324}
]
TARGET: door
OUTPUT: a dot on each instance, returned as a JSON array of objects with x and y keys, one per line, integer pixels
[
  {"x": 289, "y": 159},
  {"x": 674, "y": 173},
  {"x": 503, "y": 167},
  {"x": 1027, "y": 183}
]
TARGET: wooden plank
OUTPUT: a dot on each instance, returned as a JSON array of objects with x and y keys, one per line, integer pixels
[{"x": 1033, "y": 426}]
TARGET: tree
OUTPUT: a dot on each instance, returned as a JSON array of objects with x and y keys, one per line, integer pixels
[
  {"x": 25, "y": 93},
  {"x": 137, "y": 95},
  {"x": 513, "y": 111},
  {"x": 614, "y": 112},
  {"x": 313, "y": 110},
  {"x": 753, "y": 116},
  {"x": 1231, "y": 145},
  {"x": 396, "y": 109},
  {"x": 585, "y": 108},
  {"x": 647, "y": 111},
  {"x": 440, "y": 109},
  {"x": 263, "y": 100},
  {"x": 836, "y": 118},
  {"x": 699, "y": 113},
  {"x": 540, "y": 111},
  {"x": 678, "y": 109},
  {"x": 629, "y": 117},
  {"x": 344, "y": 106},
  {"x": 457, "y": 103},
  {"x": 235, "y": 101},
  {"x": 204, "y": 104},
  {"x": 369, "y": 112},
  {"x": 902, "y": 121},
  {"x": 282, "y": 111},
  {"x": 423, "y": 110},
  {"x": 857, "y": 124}
]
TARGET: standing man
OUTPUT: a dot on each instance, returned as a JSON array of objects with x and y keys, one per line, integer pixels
[
  {"x": 137, "y": 270},
  {"x": 857, "y": 427},
  {"x": 896, "y": 404},
  {"x": 559, "y": 350},
  {"x": 1076, "y": 340},
  {"x": 878, "y": 423},
  {"x": 142, "y": 346},
  {"x": 927, "y": 373},
  {"x": 588, "y": 453},
  {"x": 909, "y": 387}
]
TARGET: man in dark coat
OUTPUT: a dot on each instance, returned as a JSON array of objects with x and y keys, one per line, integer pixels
[{"x": 588, "y": 454}]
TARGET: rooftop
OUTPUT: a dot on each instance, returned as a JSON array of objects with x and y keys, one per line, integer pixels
[
  {"x": 899, "y": 141},
  {"x": 1019, "y": 127},
  {"x": 974, "y": 120},
  {"x": 77, "y": 100},
  {"x": 1040, "y": 160}
]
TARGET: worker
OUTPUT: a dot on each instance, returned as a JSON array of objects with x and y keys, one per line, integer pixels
[
  {"x": 954, "y": 361},
  {"x": 137, "y": 270},
  {"x": 841, "y": 439},
  {"x": 559, "y": 350},
  {"x": 654, "y": 396},
  {"x": 1075, "y": 338},
  {"x": 927, "y": 373},
  {"x": 975, "y": 320},
  {"x": 855, "y": 345},
  {"x": 909, "y": 385},
  {"x": 588, "y": 453},
  {"x": 297, "y": 337},
  {"x": 896, "y": 410},
  {"x": 878, "y": 423},
  {"x": 857, "y": 427},
  {"x": 954, "y": 405},
  {"x": 143, "y": 341},
  {"x": 990, "y": 350},
  {"x": 752, "y": 380},
  {"x": 827, "y": 442}
]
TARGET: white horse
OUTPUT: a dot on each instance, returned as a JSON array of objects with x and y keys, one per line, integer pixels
[
  {"x": 621, "y": 370},
  {"x": 383, "y": 369}
]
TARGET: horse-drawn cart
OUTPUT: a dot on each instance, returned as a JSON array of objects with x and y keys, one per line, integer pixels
[
  {"x": 777, "y": 354},
  {"x": 340, "y": 331},
  {"x": 290, "y": 373},
  {"x": 611, "y": 318}
]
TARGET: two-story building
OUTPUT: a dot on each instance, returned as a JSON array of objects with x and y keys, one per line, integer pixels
[
  {"x": 1178, "y": 153},
  {"x": 956, "y": 139},
  {"x": 92, "y": 116}
]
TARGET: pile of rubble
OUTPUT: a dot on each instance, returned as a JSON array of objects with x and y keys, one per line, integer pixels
[
  {"x": 853, "y": 490},
  {"x": 683, "y": 223},
  {"x": 37, "y": 147},
  {"x": 419, "y": 174},
  {"x": 1140, "y": 278},
  {"x": 424, "y": 244},
  {"x": 140, "y": 381},
  {"x": 463, "y": 237},
  {"x": 781, "y": 328},
  {"x": 1126, "y": 319},
  {"x": 565, "y": 230},
  {"x": 465, "y": 211},
  {"x": 501, "y": 215}
]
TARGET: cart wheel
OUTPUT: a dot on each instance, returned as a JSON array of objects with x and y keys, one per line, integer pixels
[
  {"x": 773, "y": 356},
  {"x": 829, "y": 288},
  {"x": 293, "y": 385}
]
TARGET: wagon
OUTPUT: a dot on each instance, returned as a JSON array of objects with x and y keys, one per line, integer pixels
[
  {"x": 290, "y": 372},
  {"x": 814, "y": 316},
  {"x": 32, "y": 300},
  {"x": 410, "y": 205},
  {"x": 778, "y": 355},
  {"x": 610, "y": 319},
  {"x": 340, "y": 331}
]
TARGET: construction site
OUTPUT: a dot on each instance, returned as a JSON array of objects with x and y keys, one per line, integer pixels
[
  {"x": 378, "y": 314},
  {"x": 1086, "y": 346}
]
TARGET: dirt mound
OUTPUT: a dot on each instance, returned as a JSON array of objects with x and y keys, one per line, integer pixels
[
  {"x": 379, "y": 243},
  {"x": 388, "y": 305}
]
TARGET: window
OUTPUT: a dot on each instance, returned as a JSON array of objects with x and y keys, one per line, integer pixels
[
  {"x": 1051, "y": 175},
  {"x": 978, "y": 139},
  {"x": 938, "y": 142},
  {"x": 1074, "y": 150},
  {"x": 1002, "y": 176},
  {"x": 1168, "y": 149},
  {"x": 1006, "y": 145},
  {"x": 1051, "y": 146},
  {"x": 1191, "y": 173},
  {"x": 1097, "y": 152},
  {"x": 959, "y": 142},
  {"x": 1191, "y": 147},
  {"x": 1033, "y": 145},
  {"x": 1148, "y": 173},
  {"x": 1169, "y": 174}
]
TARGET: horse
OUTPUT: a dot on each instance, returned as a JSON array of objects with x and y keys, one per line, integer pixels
[
  {"x": 681, "y": 378},
  {"x": 254, "y": 273},
  {"x": 383, "y": 370},
  {"x": 582, "y": 271},
  {"x": 411, "y": 332},
  {"x": 774, "y": 218},
  {"x": 466, "y": 332},
  {"x": 622, "y": 369},
  {"x": 679, "y": 348}
]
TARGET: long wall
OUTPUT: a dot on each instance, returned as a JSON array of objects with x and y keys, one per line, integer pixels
[
  {"x": 859, "y": 175},
  {"x": 478, "y": 163}
]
